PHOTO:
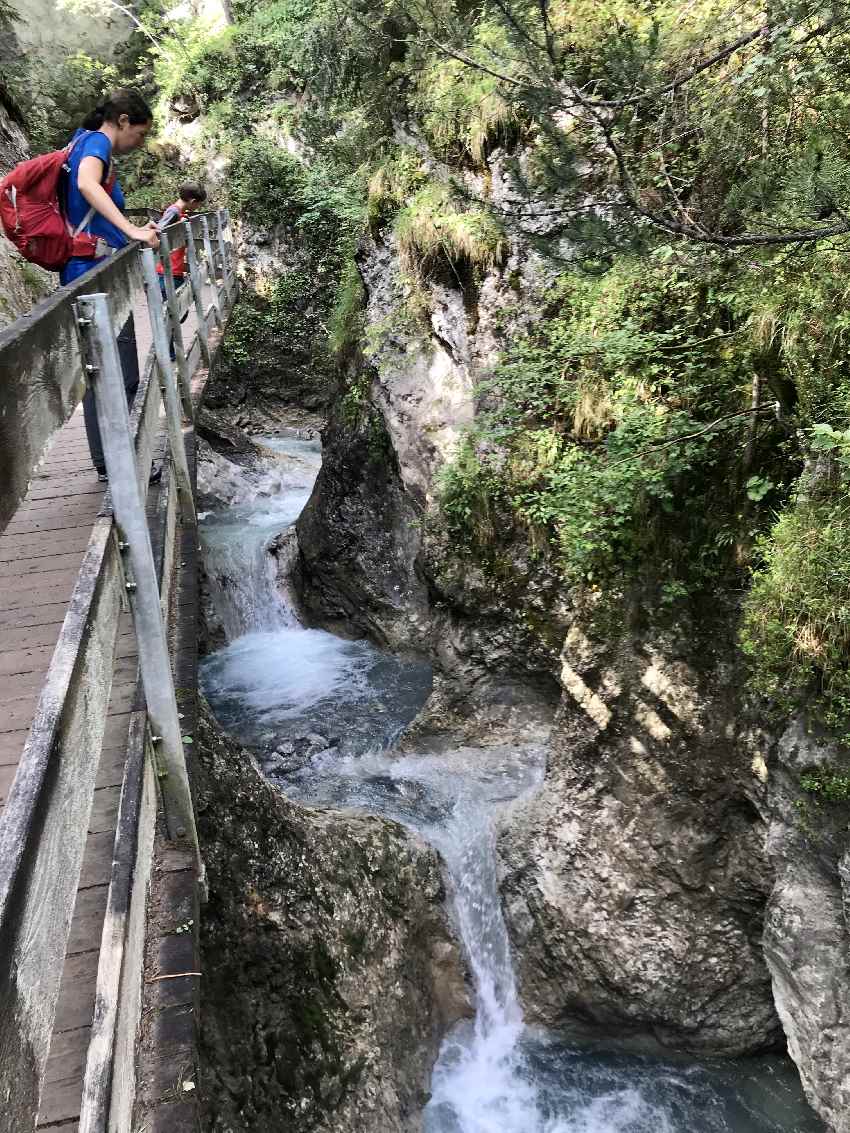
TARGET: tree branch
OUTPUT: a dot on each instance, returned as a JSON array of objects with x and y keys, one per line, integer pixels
[{"x": 688, "y": 436}]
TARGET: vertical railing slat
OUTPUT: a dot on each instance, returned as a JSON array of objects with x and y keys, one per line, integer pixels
[
  {"x": 173, "y": 415},
  {"x": 114, "y": 421},
  {"x": 210, "y": 272},
  {"x": 176, "y": 329},
  {"x": 197, "y": 293}
]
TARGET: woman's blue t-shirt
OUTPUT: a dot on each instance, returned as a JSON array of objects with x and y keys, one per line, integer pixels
[{"x": 94, "y": 144}]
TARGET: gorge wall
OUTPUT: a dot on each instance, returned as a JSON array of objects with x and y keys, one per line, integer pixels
[{"x": 661, "y": 883}]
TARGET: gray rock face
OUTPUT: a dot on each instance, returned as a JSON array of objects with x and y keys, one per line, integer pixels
[
  {"x": 21, "y": 284},
  {"x": 635, "y": 882},
  {"x": 371, "y": 556},
  {"x": 330, "y": 974},
  {"x": 806, "y": 938}
]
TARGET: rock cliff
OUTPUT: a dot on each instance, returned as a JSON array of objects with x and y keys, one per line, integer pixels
[
  {"x": 659, "y": 885},
  {"x": 635, "y": 881},
  {"x": 807, "y": 921},
  {"x": 21, "y": 284},
  {"x": 325, "y": 947}
]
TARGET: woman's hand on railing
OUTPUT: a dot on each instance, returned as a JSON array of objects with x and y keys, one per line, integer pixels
[{"x": 147, "y": 235}]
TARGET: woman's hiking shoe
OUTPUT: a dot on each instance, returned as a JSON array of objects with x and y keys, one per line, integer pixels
[{"x": 154, "y": 478}]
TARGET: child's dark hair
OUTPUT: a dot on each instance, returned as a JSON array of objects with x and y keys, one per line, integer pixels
[
  {"x": 121, "y": 101},
  {"x": 192, "y": 191}
]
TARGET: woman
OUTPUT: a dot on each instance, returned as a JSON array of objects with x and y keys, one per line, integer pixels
[{"x": 94, "y": 203}]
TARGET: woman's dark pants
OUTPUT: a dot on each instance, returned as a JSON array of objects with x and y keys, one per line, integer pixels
[{"x": 130, "y": 369}]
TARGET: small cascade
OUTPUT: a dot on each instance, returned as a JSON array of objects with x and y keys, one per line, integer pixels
[
  {"x": 276, "y": 680},
  {"x": 262, "y": 503}
]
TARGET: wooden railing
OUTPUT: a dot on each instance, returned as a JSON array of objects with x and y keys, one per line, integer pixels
[{"x": 47, "y": 360}]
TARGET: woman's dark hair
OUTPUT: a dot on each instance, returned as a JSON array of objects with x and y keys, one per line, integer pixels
[
  {"x": 121, "y": 101},
  {"x": 192, "y": 191}
]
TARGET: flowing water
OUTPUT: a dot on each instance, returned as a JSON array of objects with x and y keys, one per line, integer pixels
[{"x": 275, "y": 682}]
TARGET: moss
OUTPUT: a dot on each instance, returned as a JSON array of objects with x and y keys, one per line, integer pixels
[
  {"x": 827, "y": 783},
  {"x": 393, "y": 183},
  {"x": 434, "y": 229},
  {"x": 347, "y": 323},
  {"x": 465, "y": 112}
]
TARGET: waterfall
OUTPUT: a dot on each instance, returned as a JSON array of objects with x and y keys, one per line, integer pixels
[
  {"x": 276, "y": 680},
  {"x": 235, "y": 540}
]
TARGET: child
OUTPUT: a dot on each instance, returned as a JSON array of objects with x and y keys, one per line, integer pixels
[{"x": 190, "y": 200}]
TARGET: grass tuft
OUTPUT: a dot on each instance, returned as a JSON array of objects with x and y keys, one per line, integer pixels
[{"x": 433, "y": 229}]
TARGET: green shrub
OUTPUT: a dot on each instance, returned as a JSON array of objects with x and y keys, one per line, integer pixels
[
  {"x": 612, "y": 425},
  {"x": 827, "y": 783},
  {"x": 796, "y": 625},
  {"x": 393, "y": 183}
]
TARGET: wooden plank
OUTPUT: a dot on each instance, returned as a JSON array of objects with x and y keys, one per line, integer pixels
[
  {"x": 33, "y": 595},
  {"x": 97, "y": 863},
  {"x": 88, "y": 491},
  {"x": 17, "y": 547},
  {"x": 104, "y": 813},
  {"x": 7, "y": 774},
  {"x": 52, "y": 793},
  {"x": 111, "y": 770},
  {"x": 87, "y": 922},
  {"x": 44, "y": 563},
  {"x": 20, "y": 686},
  {"x": 76, "y": 997},
  {"x": 68, "y": 1055},
  {"x": 12, "y": 746},
  {"x": 18, "y": 714},
  {"x": 39, "y": 581},
  {"x": 25, "y": 660},
  {"x": 63, "y": 518},
  {"x": 128, "y": 880}
]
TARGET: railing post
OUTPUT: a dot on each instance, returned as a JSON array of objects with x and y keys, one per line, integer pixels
[
  {"x": 208, "y": 253},
  {"x": 226, "y": 265},
  {"x": 176, "y": 328},
  {"x": 104, "y": 369},
  {"x": 173, "y": 416},
  {"x": 219, "y": 249},
  {"x": 197, "y": 293}
]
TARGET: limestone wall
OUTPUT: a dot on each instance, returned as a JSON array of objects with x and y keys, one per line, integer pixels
[{"x": 47, "y": 28}]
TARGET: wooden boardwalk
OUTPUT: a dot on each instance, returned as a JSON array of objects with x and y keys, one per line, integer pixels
[{"x": 41, "y": 551}]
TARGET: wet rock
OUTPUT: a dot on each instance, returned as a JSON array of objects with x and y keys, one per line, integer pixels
[
  {"x": 330, "y": 972},
  {"x": 806, "y": 938},
  {"x": 315, "y": 743},
  {"x": 635, "y": 882}
]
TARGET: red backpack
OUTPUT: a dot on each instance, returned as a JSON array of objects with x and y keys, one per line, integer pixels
[{"x": 31, "y": 213}]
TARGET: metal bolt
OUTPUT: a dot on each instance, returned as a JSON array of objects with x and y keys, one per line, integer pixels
[
  {"x": 156, "y": 739},
  {"x": 123, "y": 545},
  {"x": 84, "y": 322},
  {"x": 129, "y": 586},
  {"x": 91, "y": 369}
]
